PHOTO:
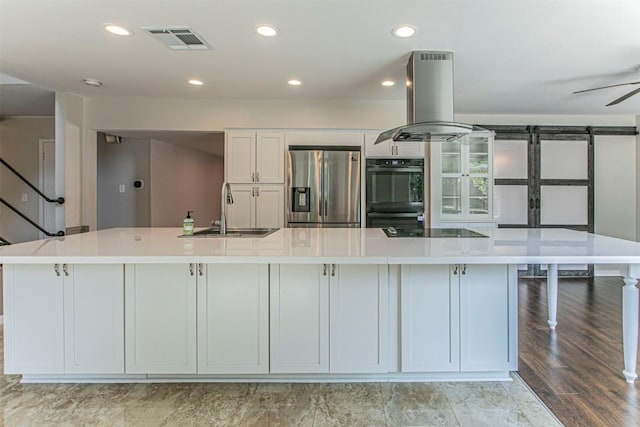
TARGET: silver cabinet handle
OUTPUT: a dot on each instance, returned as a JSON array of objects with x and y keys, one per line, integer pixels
[
  {"x": 324, "y": 269},
  {"x": 64, "y": 268},
  {"x": 464, "y": 268},
  {"x": 455, "y": 269},
  {"x": 258, "y": 191},
  {"x": 253, "y": 177},
  {"x": 257, "y": 176},
  {"x": 333, "y": 270},
  {"x": 200, "y": 270},
  {"x": 253, "y": 191},
  {"x": 191, "y": 269},
  {"x": 56, "y": 268}
]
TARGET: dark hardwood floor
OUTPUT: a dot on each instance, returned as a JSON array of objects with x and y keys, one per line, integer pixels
[{"x": 577, "y": 370}]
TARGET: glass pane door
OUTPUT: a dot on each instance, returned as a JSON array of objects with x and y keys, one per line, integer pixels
[
  {"x": 478, "y": 155},
  {"x": 451, "y": 157},
  {"x": 478, "y": 196},
  {"x": 451, "y": 196}
]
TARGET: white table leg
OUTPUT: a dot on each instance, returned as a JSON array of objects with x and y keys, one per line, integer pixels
[
  {"x": 552, "y": 294},
  {"x": 630, "y": 323}
]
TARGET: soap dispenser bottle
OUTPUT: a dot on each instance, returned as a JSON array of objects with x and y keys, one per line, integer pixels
[{"x": 187, "y": 225}]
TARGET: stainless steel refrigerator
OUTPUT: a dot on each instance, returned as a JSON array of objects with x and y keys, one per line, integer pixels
[{"x": 323, "y": 186}]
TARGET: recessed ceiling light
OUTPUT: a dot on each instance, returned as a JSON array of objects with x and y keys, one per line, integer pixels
[
  {"x": 404, "y": 31},
  {"x": 118, "y": 30},
  {"x": 195, "y": 82},
  {"x": 388, "y": 83},
  {"x": 266, "y": 30},
  {"x": 93, "y": 82},
  {"x": 294, "y": 82}
]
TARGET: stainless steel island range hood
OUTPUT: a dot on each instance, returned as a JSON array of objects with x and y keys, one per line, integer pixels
[{"x": 429, "y": 101}]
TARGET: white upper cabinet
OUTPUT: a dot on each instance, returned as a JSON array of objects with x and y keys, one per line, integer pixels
[
  {"x": 462, "y": 186},
  {"x": 391, "y": 148},
  {"x": 254, "y": 157}
]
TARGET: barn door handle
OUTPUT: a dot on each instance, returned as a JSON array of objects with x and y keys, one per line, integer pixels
[
  {"x": 537, "y": 203},
  {"x": 531, "y": 203}
]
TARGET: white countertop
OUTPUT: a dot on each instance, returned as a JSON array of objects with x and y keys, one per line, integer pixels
[{"x": 326, "y": 245}]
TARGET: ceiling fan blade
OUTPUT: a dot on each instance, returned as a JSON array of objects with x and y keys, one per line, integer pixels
[
  {"x": 605, "y": 87},
  {"x": 623, "y": 97}
]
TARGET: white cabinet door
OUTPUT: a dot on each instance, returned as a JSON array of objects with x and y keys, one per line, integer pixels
[
  {"x": 34, "y": 331},
  {"x": 484, "y": 318},
  {"x": 376, "y": 150},
  {"x": 160, "y": 318},
  {"x": 391, "y": 149},
  {"x": 409, "y": 149},
  {"x": 429, "y": 318},
  {"x": 270, "y": 158},
  {"x": 358, "y": 318},
  {"x": 240, "y": 157},
  {"x": 299, "y": 312},
  {"x": 233, "y": 319},
  {"x": 269, "y": 210},
  {"x": 94, "y": 319},
  {"x": 242, "y": 212}
]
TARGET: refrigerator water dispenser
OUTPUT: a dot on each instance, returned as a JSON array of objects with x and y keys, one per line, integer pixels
[{"x": 301, "y": 199}]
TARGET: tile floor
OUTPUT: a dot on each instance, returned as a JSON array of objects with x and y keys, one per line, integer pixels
[{"x": 214, "y": 404}]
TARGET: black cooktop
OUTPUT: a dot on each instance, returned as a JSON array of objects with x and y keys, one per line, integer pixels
[{"x": 430, "y": 232}]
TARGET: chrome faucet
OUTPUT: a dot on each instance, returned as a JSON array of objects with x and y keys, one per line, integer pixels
[{"x": 226, "y": 198}]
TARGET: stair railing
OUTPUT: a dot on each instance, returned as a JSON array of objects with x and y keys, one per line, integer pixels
[
  {"x": 59, "y": 200},
  {"x": 26, "y": 218}
]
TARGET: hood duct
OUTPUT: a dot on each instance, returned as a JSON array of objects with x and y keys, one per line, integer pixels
[{"x": 429, "y": 101}]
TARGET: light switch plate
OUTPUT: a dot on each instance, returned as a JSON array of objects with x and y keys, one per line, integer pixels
[{"x": 122, "y": 188}]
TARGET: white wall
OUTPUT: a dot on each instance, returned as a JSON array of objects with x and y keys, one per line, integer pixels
[
  {"x": 121, "y": 165},
  {"x": 19, "y": 146},
  {"x": 70, "y": 139},
  {"x": 183, "y": 179}
]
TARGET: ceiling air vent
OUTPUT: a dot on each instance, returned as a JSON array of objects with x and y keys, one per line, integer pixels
[{"x": 178, "y": 38}]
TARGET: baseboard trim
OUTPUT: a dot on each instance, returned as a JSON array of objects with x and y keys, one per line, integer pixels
[{"x": 272, "y": 378}]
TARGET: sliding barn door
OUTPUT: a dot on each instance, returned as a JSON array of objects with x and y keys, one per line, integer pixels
[{"x": 544, "y": 179}]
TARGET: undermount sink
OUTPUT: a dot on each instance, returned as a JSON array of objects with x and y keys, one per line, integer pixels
[{"x": 235, "y": 232}]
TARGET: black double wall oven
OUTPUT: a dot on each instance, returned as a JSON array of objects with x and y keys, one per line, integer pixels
[{"x": 395, "y": 193}]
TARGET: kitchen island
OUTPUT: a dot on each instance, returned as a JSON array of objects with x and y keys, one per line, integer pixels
[{"x": 141, "y": 304}]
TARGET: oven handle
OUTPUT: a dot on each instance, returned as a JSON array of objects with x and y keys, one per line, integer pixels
[
  {"x": 394, "y": 215},
  {"x": 378, "y": 169}
]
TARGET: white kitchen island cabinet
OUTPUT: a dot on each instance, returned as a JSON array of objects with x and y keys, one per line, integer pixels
[
  {"x": 488, "y": 333},
  {"x": 430, "y": 311},
  {"x": 64, "y": 318},
  {"x": 34, "y": 326},
  {"x": 359, "y": 318},
  {"x": 233, "y": 319},
  {"x": 343, "y": 304},
  {"x": 473, "y": 307},
  {"x": 329, "y": 318},
  {"x": 160, "y": 318},
  {"x": 299, "y": 311}
]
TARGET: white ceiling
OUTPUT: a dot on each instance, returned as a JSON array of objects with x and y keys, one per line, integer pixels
[{"x": 511, "y": 56}]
